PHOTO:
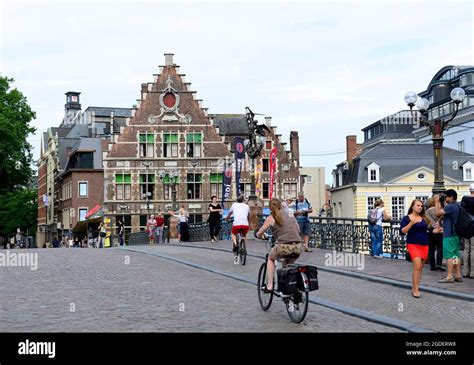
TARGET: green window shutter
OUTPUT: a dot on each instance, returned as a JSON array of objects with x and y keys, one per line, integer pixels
[
  {"x": 189, "y": 138},
  {"x": 142, "y": 138},
  {"x": 198, "y": 137},
  {"x": 166, "y": 179},
  {"x": 190, "y": 178},
  {"x": 142, "y": 178},
  {"x": 127, "y": 178},
  {"x": 119, "y": 178},
  {"x": 151, "y": 178},
  {"x": 197, "y": 177},
  {"x": 174, "y": 138},
  {"x": 213, "y": 178},
  {"x": 167, "y": 138},
  {"x": 150, "y": 138}
]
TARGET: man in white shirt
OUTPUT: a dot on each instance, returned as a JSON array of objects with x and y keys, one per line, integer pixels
[{"x": 241, "y": 213}]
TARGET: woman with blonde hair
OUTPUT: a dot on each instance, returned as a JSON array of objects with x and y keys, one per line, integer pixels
[
  {"x": 286, "y": 229},
  {"x": 415, "y": 226}
]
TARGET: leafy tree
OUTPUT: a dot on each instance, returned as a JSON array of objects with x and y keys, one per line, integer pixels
[
  {"x": 15, "y": 151},
  {"x": 18, "y": 209}
]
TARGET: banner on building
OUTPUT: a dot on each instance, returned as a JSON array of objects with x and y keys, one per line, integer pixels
[
  {"x": 273, "y": 158},
  {"x": 239, "y": 161},
  {"x": 258, "y": 177},
  {"x": 227, "y": 181}
]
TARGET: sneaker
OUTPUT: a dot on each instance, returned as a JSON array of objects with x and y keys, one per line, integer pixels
[
  {"x": 236, "y": 260},
  {"x": 458, "y": 280},
  {"x": 446, "y": 280},
  {"x": 308, "y": 250}
]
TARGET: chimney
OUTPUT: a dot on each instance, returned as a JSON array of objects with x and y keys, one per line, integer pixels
[
  {"x": 295, "y": 147},
  {"x": 268, "y": 121},
  {"x": 352, "y": 147},
  {"x": 169, "y": 59}
]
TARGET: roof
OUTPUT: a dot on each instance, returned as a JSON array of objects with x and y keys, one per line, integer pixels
[
  {"x": 78, "y": 130},
  {"x": 235, "y": 124},
  {"x": 398, "y": 159},
  {"x": 102, "y": 111}
]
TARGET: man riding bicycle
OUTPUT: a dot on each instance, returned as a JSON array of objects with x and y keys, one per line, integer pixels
[
  {"x": 287, "y": 231},
  {"x": 241, "y": 213}
]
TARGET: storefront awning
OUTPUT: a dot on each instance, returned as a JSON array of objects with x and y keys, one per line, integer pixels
[{"x": 95, "y": 212}]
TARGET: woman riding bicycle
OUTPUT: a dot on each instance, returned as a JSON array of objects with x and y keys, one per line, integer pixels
[{"x": 287, "y": 231}]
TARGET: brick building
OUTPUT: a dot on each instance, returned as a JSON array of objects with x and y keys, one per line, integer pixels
[{"x": 170, "y": 132}]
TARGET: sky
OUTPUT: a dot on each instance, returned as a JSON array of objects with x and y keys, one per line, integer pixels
[{"x": 323, "y": 68}]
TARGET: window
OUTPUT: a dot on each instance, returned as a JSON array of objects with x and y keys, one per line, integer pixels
[
  {"x": 289, "y": 190},
  {"x": 265, "y": 165},
  {"x": 82, "y": 214},
  {"x": 170, "y": 145},
  {"x": 398, "y": 207},
  {"x": 147, "y": 145},
  {"x": 265, "y": 190},
  {"x": 216, "y": 184},
  {"x": 123, "y": 186},
  {"x": 308, "y": 179},
  {"x": 83, "y": 189},
  {"x": 461, "y": 146},
  {"x": 168, "y": 188},
  {"x": 421, "y": 176},
  {"x": 127, "y": 223},
  {"x": 340, "y": 179},
  {"x": 423, "y": 198},
  {"x": 467, "y": 171},
  {"x": 373, "y": 172},
  {"x": 193, "y": 144},
  {"x": 194, "y": 182},
  {"x": 268, "y": 145},
  {"x": 195, "y": 218},
  {"x": 371, "y": 201},
  {"x": 467, "y": 79},
  {"x": 147, "y": 185},
  {"x": 143, "y": 221},
  {"x": 246, "y": 189}
]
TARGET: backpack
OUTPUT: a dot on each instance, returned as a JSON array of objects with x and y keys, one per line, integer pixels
[
  {"x": 465, "y": 223},
  {"x": 372, "y": 216},
  {"x": 305, "y": 200}
]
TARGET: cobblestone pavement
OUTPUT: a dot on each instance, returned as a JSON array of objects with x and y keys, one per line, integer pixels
[
  {"x": 113, "y": 290},
  {"x": 431, "y": 311}
]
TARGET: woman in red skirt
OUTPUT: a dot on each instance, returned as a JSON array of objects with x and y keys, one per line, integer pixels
[{"x": 415, "y": 226}]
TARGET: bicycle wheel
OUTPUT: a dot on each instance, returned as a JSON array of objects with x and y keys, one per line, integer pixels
[
  {"x": 265, "y": 299},
  {"x": 297, "y": 305},
  {"x": 242, "y": 251}
]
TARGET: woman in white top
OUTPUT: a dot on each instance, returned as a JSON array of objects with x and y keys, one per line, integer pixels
[{"x": 183, "y": 216}]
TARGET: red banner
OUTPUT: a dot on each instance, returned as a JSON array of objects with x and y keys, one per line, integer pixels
[{"x": 273, "y": 158}]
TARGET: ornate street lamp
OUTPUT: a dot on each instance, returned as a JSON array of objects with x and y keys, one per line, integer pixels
[{"x": 436, "y": 128}]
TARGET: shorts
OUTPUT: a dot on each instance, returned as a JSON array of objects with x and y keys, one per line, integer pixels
[
  {"x": 240, "y": 229},
  {"x": 416, "y": 250},
  {"x": 281, "y": 250},
  {"x": 451, "y": 246},
  {"x": 305, "y": 228}
]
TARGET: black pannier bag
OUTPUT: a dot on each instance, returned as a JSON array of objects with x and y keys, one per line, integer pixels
[
  {"x": 312, "y": 275},
  {"x": 288, "y": 280}
]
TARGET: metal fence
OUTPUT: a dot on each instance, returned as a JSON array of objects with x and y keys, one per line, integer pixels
[{"x": 340, "y": 234}]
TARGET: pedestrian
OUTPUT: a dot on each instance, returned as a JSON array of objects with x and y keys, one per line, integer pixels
[
  {"x": 160, "y": 225},
  {"x": 183, "y": 216},
  {"x": 451, "y": 241},
  {"x": 289, "y": 205},
  {"x": 56, "y": 242},
  {"x": 467, "y": 203},
  {"x": 378, "y": 214},
  {"x": 151, "y": 228},
  {"x": 435, "y": 237},
  {"x": 84, "y": 243},
  {"x": 415, "y": 226},
  {"x": 102, "y": 234},
  {"x": 302, "y": 210},
  {"x": 121, "y": 232},
  {"x": 215, "y": 213}
]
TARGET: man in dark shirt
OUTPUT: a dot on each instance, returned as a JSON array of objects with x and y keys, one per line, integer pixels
[
  {"x": 451, "y": 241},
  {"x": 467, "y": 254}
]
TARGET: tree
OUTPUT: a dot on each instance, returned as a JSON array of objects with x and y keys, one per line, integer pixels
[
  {"x": 18, "y": 209},
  {"x": 18, "y": 203},
  {"x": 15, "y": 151}
]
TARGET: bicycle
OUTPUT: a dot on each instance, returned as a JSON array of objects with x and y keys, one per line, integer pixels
[
  {"x": 241, "y": 247},
  {"x": 296, "y": 302}
]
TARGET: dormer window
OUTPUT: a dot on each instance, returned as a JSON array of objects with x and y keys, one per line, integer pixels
[
  {"x": 468, "y": 171},
  {"x": 373, "y": 171}
]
